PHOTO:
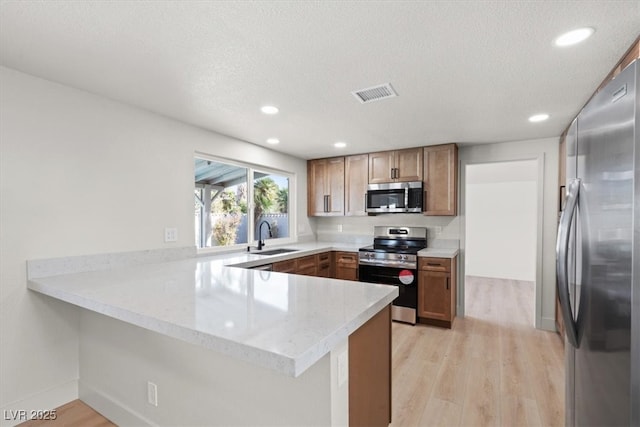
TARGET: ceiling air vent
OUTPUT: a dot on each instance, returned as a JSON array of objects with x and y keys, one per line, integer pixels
[{"x": 375, "y": 93}]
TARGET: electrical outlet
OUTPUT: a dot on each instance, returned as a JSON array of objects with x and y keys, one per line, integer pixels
[
  {"x": 152, "y": 393},
  {"x": 170, "y": 235}
]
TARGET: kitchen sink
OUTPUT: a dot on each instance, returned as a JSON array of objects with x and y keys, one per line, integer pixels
[{"x": 275, "y": 251}]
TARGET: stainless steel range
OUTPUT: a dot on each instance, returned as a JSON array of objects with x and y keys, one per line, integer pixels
[{"x": 393, "y": 260}]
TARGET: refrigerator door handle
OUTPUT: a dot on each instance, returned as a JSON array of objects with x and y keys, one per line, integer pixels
[{"x": 562, "y": 260}]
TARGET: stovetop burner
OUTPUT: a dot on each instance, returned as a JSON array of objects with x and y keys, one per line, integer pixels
[{"x": 392, "y": 249}]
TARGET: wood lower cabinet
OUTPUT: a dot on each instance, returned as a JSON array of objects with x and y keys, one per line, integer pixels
[
  {"x": 346, "y": 265},
  {"x": 440, "y": 180},
  {"x": 325, "y": 187},
  {"x": 325, "y": 264},
  {"x": 370, "y": 372},
  {"x": 437, "y": 291},
  {"x": 339, "y": 265},
  {"x": 320, "y": 265},
  {"x": 356, "y": 179},
  {"x": 395, "y": 166},
  {"x": 288, "y": 266},
  {"x": 307, "y": 266}
]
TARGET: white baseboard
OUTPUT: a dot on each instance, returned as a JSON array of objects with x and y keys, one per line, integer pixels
[
  {"x": 110, "y": 408},
  {"x": 548, "y": 324},
  {"x": 20, "y": 410}
]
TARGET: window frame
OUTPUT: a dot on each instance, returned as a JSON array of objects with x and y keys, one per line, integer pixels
[{"x": 251, "y": 169}]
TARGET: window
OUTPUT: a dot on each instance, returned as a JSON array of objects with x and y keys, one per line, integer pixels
[{"x": 224, "y": 215}]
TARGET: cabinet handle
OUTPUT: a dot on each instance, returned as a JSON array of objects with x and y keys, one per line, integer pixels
[
  {"x": 326, "y": 203},
  {"x": 364, "y": 208},
  {"x": 391, "y": 176},
  {"x": 424, "y": 202},
  {"x": 396, "y": 173},
  {"x": 447, "y": 283}
]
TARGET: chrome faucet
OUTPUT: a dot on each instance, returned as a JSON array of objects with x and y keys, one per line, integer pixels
[{"x": 260, "y": 241}]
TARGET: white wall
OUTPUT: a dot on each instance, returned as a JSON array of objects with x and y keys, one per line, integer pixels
[
  {"x": 81, "y": 174},
  {"x": 501, "y": 220},
  {"x": 545, "y": 152},
  {"x": 196, "y": 386}
]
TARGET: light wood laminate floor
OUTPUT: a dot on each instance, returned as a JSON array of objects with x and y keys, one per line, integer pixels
[
  {"x": 73, "y": 414},
  {"x": 493, "y": 368}
]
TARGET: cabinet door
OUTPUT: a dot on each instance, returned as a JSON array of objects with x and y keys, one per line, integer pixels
[
  {"x": 334, "y": 187},
  {"x": 346, "y": 273},
  {"x": 381, "y": 167},
  {"x": 356, "y": 178},
  {"x": 324, "y": 264},
  {"x": 316, "y": 172},
  {"x": 325, "y": 187},
  {"x": 434, "y": 295},
  {"x": 347, "y": 266},
  {"x": 285, "y": 266},
  {"x": 306, "y": 265},
  {"x": 408, "y": 165},
  {"x": 441, "y": 179}
]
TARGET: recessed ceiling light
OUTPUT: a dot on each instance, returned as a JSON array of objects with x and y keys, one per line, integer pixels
[
  {"x": 269, "y": 109},
  {"x": 538, "y": 118},
  {"x": 340, "y": 144},
  {"x": 573, "y": 37},
  {"x": 273, "y": 141}
]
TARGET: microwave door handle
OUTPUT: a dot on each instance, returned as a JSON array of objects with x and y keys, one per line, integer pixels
[
  {"x": 562, "y": 260},
  {"x": 406, "y": 198}
]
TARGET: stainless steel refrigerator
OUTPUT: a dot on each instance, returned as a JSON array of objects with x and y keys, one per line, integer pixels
[{"x": 598, "y": 252}]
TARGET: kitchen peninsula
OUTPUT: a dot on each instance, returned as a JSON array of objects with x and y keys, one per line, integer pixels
[{"x": 203, "y": 341}]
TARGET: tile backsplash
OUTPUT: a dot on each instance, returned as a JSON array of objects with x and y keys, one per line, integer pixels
[{"x": 442, "y": 231}]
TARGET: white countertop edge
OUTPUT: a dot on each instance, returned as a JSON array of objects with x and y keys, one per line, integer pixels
[
  {"x": 313, "y": 355},
  {"x": 289, "y": 366},
  {"x": 439, "y": 253}
]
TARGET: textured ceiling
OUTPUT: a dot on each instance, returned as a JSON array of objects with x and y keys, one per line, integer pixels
[{"x": 465, "y": 71}]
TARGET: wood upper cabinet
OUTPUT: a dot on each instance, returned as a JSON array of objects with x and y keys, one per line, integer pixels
[
  {"x": 440, "y": 179},
  {"x": 395, "y": 166},
  {"x": 356, "y": 178},
  {"x": 437, "y": 290},
  {"x": 325, "y": 187}
]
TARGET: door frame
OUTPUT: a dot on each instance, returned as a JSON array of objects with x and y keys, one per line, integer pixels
[{"x": 540, "y": 158}]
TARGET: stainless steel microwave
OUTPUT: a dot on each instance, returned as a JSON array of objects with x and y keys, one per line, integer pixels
[{"x": 396, "y": 197}]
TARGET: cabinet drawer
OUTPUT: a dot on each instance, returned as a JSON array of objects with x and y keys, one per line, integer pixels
[
  {"x": 347, "y": 259},
  {"x": 434, "y": 264},
  {"x": 306, "y": 262},
  {"x": 324, "y": 258}
]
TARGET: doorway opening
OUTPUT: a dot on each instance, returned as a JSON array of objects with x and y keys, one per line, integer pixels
[{"x": 501, "y": 225}]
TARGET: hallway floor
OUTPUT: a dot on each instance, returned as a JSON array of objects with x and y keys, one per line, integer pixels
[{"x": 492, "y": 368}]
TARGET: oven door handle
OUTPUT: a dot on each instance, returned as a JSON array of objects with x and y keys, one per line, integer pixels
[{"x": 384, "y": 263}]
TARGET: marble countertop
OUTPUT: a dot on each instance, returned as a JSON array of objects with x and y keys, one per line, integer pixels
[
  {"x": 439, "y": 252},
  {"x": 280, "y": 321}
]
